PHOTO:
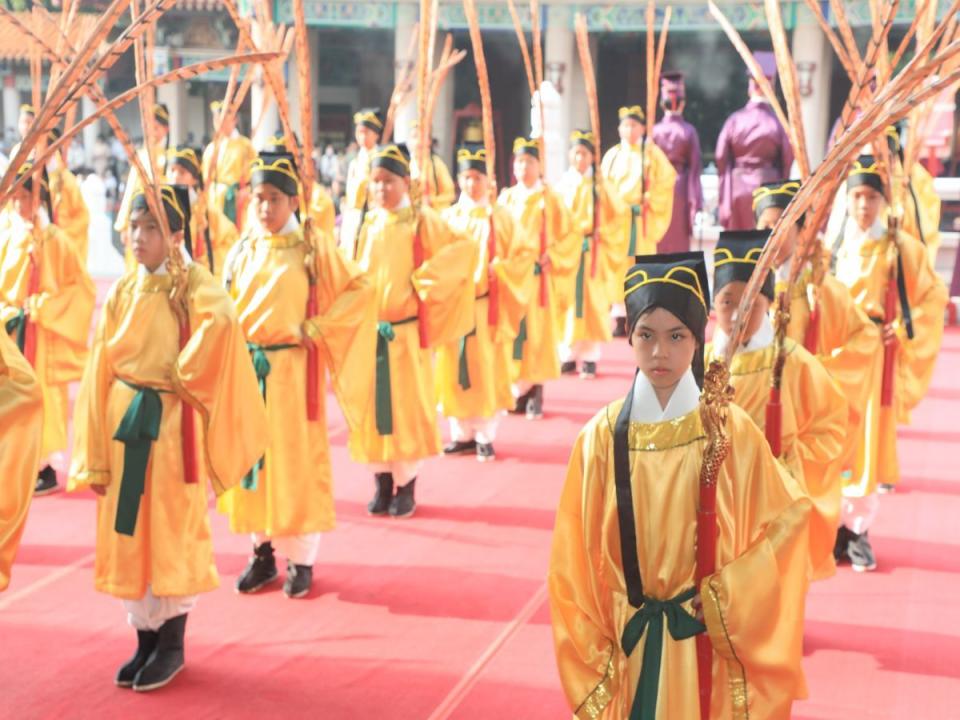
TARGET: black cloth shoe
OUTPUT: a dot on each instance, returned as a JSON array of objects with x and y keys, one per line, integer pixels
[
  {"x": 620, "y": 327},
  {"x": 403, "y": 505},
  {"x": 521, "y": 405},
  {"x": 380, "y": 504},
  {"x": 460, "y": 447},
  {"x": 260, "y": 571},
  {"x": 299, "y": 580},
  {"x": 485, "y": 452},
  {"x": 46, "y": 482},
  {"x": 884, "y": 488},
  {"x": 589, "y": 370},
  {"x": 535, "y": 406},
  {"x": 167, "y": 658},
  {"x": 840, "y": 546},
  {"x": 146, "y": 644},
  {"x": 861, "y": 554},
  {"x": 568, "y": 368}
]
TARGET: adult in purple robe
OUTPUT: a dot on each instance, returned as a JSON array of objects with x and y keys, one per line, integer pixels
[
  {"x": 680, "y": 143},
  {"x": 753, "y": 149}
]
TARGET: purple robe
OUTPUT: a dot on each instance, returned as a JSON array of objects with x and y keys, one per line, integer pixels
[
  {"x": 752, "y": 149},
  {"x": 679, "y": 141}
]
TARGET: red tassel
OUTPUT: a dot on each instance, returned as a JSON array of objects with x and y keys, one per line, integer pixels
[
  {"x": 889, "y": 351},
  {"x": 774, "y": 422},
  {"x": 30, "y": 331},
  {"x": 421, "y": 308},
  {"x": 493, "y": 284},
  {"x": 187, "y": 435},
  {"x": 543, "y": 250},
  {"x": 313, "y": 362},
  {"x": 813, "y": 331}
]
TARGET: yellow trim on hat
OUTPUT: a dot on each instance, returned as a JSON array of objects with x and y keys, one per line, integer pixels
[
  {"x": 859, "y": 169},
  {"x": 161, "y": 113},
  {"x": 188, "y": 154},
  {"x": 465, "y": 155},
  {"x": 521, "y": 143},
  {"x": 751, "y": 258},
  {"x": 891, "y": 132},
  {"x": 216, "y": 105},
  {"x": 392, "y": 152},
  {"x": 628, "y": 110},
  {"x": 27, "y": 108},
  {"x": 580, "y": 135},
  {"x": 694, "y": 287},
  {"x": 166, "y": 194},
  {"x": 362, "y": 117},
  {"x": 282, "y": 165},
  {"x": 26, "y": 168},
  {"x": 787, "y": 188}
]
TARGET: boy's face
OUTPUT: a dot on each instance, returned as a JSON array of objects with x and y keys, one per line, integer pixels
[
  {"x": 23, "y": 124},
  {"x": 274, "y": 207},
  {"x": 475, "y": 184},
  {"x": 388, "y": 189},
  {"x": 147, "y": 241},
  {"x": 630, "y": 130},
  {"x": 663, "y": 347},
  {"x": 177, "y": 174},
  {"x": 725, "y": 306},
  {"x": 526, "y": 168},
  {"x": 864, "y": 205},
  {"x": 159, "y": 133},
  {"x": 22, "y": 201},
  {"x": 767, "y": 220},
  {"x": 580, "y": 159},
  {"x": 365, "y": 137}
]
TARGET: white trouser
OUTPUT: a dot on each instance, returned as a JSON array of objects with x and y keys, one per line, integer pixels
[
  {"x": 858, "y": 513},
  {"x": 299, "y": 549},
  {"x": 484, "y": 431},
  {"x": 581, "y": 351},
  {"x": 150, "y": 611},
  {"x": 618, "y": 310},
  {"x": 402, "y": 471}
]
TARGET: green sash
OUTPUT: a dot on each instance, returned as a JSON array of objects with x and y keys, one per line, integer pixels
[
  {"x": 634, "y": 214},
  {"x": 520, "y": 340},
  {"x": 649, "y": 617},
  {"x": 383, "y": 398},
  {"x": 463, "y": 371},
  {"x": 580, "y": 273},
  {"x": 18, "y": 323},
  {"x": 230, "y": 202},
  {"x": 261, "y": 368},
  {"x": 138, "y": 429}
]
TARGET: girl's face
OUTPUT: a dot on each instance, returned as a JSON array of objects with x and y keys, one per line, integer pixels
[
  {"x": 865, "y": 205},
  {"x": 274, "y": 207},
  {"x": 663, "y": 348},
  {"x": 727, "y": 301},
  {"x": 475, "y": 184},
  {"x": 526, "y": 169},
  {"x": 580, "y": 159},
  {"x": 388, "y": 188}
]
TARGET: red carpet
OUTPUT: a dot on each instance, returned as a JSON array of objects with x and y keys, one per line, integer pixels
[{"x": 444, "y": 615}]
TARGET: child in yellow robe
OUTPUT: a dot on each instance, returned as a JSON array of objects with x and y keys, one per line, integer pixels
[
  {"x": 865, "y": 254},
  {"x": 21, "y": 426},
  {"x": 623, "y": 562},
  {"x": 286, "y": 501},
  {"x": 70, "y": 212},
  {"x": 473, "y": 373},
  {"x": 368, "y": 127},
  {"x": 213, "y": 234},
  {"x": 813, "y": 413},
  {"x": 146, "y": 370},
  {"x": 46, "y": 299},
  {"x": 423, "y": 275},
  {"x": 587, "y": 324},
  {"x": 540, "y": 212},
  {"x": 642, "y": 176},
  {"x": 229, "y": 187}
]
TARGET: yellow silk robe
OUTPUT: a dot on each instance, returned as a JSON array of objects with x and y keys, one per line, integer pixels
[
  {"x": 865, "y": 271},
  {"x": 847, "y": 342},
  {"x": 62, "y": 311},
  {"x": 223, "y": 234},
  {"x": 437, "y": 185},
  {"x": 355, "y": 202},
  {"x": 813, "y": 424},
  {"x": 623, "y": 170},
  {"x": 270, "y": 286},
  {"x": 236, "y": 154},
  {"x": 753, "y": 604},
  {"x": 444, "y": 284},
  {"x": 589, "y": 316},
  {"x": 921, "y": 182},
  {"x": 137, "y": 341},
  {"x": 322, "y": 211},
  {"x": 21, "y": 421},
  {"x": 539, "y": 361},
  {"x": 70, "y": 212},
  {"x": 487, "y": 348}
]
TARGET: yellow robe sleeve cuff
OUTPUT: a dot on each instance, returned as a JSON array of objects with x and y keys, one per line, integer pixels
[{"x": 87, "y": 478}]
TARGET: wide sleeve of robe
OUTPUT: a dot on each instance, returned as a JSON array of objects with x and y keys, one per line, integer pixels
[
  {"x": 660, "y": 189},
  {"x": 344, "y": 329},
  {"x": 213, "y": 373},
  {"x": 21, "y": 422},
  {"x": 564, "y": 243},
  {"x": 443, "y": 191},
  {"x": 513, "y": 265},
  {"x": 72, "y": 215},
  {"x": 444, "y": 281},
  {"x": 322, "y": 211}
]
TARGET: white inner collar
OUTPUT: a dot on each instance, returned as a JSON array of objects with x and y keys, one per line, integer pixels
[
  {"x": 761, "y": 339},
  {"x": 162, "y": 270},
  {"x": 646, "y": 408}
]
